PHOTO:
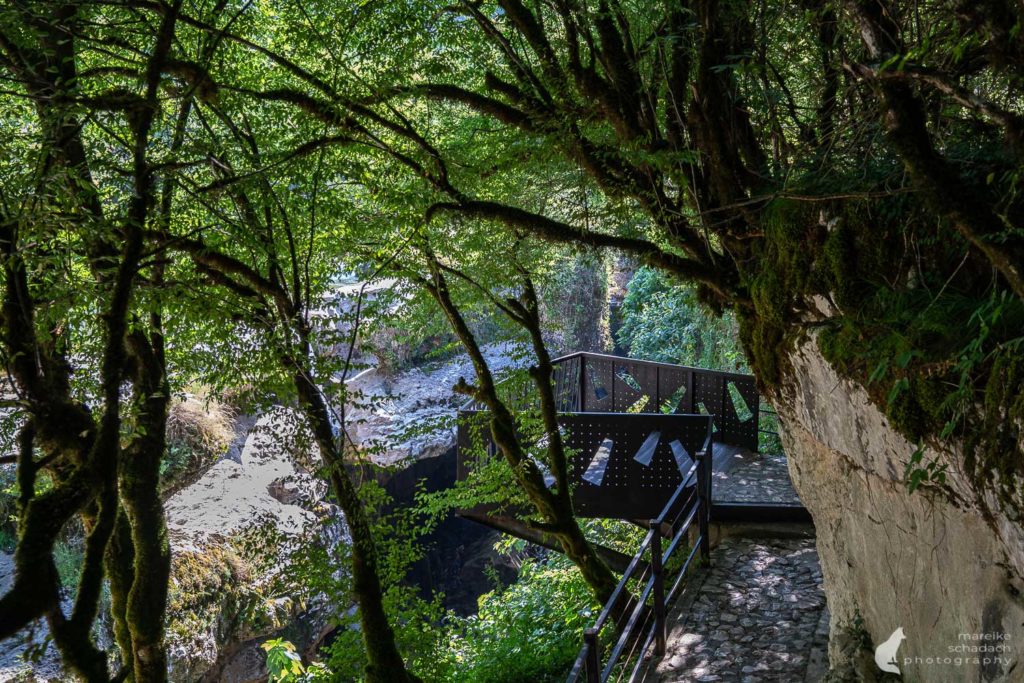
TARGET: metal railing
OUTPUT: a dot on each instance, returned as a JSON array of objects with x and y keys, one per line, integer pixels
[
  {"x": 587, "y": 382},
  {"x": 638, "y": 620},
  {"x": 767, "y": 414},
  {"x": 595, "y": 382}
]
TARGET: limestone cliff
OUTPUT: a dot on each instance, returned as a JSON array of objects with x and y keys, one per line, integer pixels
[{"x": 945, "y": 564}]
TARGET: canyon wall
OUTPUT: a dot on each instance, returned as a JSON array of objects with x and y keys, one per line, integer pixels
[{"x": 944, "y": 564}]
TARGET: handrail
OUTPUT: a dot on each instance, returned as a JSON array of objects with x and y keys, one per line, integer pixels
[
  {"x": 602, "y": 618},
  {"x": 695, "y": 507},
  {"x": 470, "y": 402},
  {"x": 643, "y": 361}
]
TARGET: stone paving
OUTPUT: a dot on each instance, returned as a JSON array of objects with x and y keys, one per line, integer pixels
[
  {"x": 757, "y": 617},
  {"x": 754, "y": 478}
]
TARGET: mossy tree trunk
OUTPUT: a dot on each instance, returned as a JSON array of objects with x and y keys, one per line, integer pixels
[
  {"x": 553, "y": 505},
  {"x": 385, "y": 663},
  {"x": 99, "y": 473}
]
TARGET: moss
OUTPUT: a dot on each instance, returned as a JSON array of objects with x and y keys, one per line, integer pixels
[
  {"x": 839, "y": 344},
  {"x": 918, "y": 325},
  {"x": 763, "y": 343},
  {"x": 207, "y": 586},
  {"x": 786, "y": 268},
  {"x": 995, "y": 454},
  {"x": 840, "y": 254}
]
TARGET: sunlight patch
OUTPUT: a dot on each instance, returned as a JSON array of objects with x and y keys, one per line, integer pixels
[
  {"x": 645, "y": 453},
  {"x": 639, "y": 406},
  {"x": 595, "y": 471}
]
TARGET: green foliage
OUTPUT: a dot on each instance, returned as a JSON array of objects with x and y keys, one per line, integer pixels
[
  {"x": 8, "y": 541},
  {"x": 524, "y": 633},
  {"x": 67, "y": 555},
  {"x": 530, "y": 631},
  {"x": 330, "y": 160},
  {"x": 575, "y": 302},
  {"x": 283, "y": 663},
  {"x": 8, "y": 504},
  {"x": 662, "y": 320},
  {"x": 917, "y": 472}
]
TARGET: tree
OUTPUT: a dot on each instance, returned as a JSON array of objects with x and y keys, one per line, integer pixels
[
  {"x": 81, "y": 287},
  {"x": 847, "y": 173},
  {"x": 663, "y": 321},
  {"x": 755, "y": 181},
  {"x": 553, "y": 505},
  {"x": 273, "y": 261}
]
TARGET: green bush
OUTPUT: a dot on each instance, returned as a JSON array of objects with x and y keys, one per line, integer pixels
[
  {"x": 529, "y": 631},
  {"x": 67, "y": 555}
]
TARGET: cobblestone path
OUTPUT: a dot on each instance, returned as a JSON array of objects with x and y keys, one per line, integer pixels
[
  {"x": 759, "y": 616},
  {"x": 754, "y": 478}
]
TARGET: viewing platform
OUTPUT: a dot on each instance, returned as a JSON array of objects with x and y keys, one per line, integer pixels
[
  {"x": 634, "y": 427},
  {"x": 678, "y": 451}
]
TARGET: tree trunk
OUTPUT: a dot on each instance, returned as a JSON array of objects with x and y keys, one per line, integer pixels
[{"x": 385, "y": 663}]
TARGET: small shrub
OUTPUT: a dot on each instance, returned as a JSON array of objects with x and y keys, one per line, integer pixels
[
  {"x": 283, "y": 663},
  {"x": 199, "y": 431},
  {"x": 67, "y": 555}
]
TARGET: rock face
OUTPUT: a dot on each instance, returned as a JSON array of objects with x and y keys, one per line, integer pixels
[
  {"x": 220, "y": 608},
  {"x": 411, "y": 415},
  {"x": 943, "y": 565}
]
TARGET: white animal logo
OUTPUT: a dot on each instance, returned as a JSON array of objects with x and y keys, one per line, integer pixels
[{"x": 885, "y": 654}]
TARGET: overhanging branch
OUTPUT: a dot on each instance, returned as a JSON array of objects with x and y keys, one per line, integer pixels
[{"x": 556, "y": 231}]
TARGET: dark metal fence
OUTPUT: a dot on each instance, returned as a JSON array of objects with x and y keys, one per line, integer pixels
[
  {"x": 641, "y": 437},
  {"x": 636, "y": 613},
  {"x": 594, "y": 382},
  {"x": 632, "y": 426},
  {"x": 621, "y": 466}
]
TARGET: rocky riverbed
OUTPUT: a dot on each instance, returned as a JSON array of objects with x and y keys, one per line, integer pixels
[{"x": 266, "y": 482}]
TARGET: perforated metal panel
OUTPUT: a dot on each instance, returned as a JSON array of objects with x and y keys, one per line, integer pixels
[
  {"x": 598, "y": 388},
  {"x": 635, "y": 387},
  {"x": 629, "y": 489},
  {"x": 673, "y": 390},
  {"x": 614, "y": 384},
  {"x": 732, "y": 426},
  {"x": 707, "y": 395},
  {"x": 598, "y": 396}
]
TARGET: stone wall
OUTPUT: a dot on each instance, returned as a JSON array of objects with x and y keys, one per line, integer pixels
[{"x": 938, "y": 563}]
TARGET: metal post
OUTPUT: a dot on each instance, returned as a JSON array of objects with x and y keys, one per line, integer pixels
[
  {"x": 583, "y": 384},
  {"x": 689, "y": 391},
  {"x": 658, "y": 589},
  {"x": 657, "y": 390},
  {"x": 593, "y": 655},
  {"x": 614, "y": 377},
  {"x": 704, "y": 503}
]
